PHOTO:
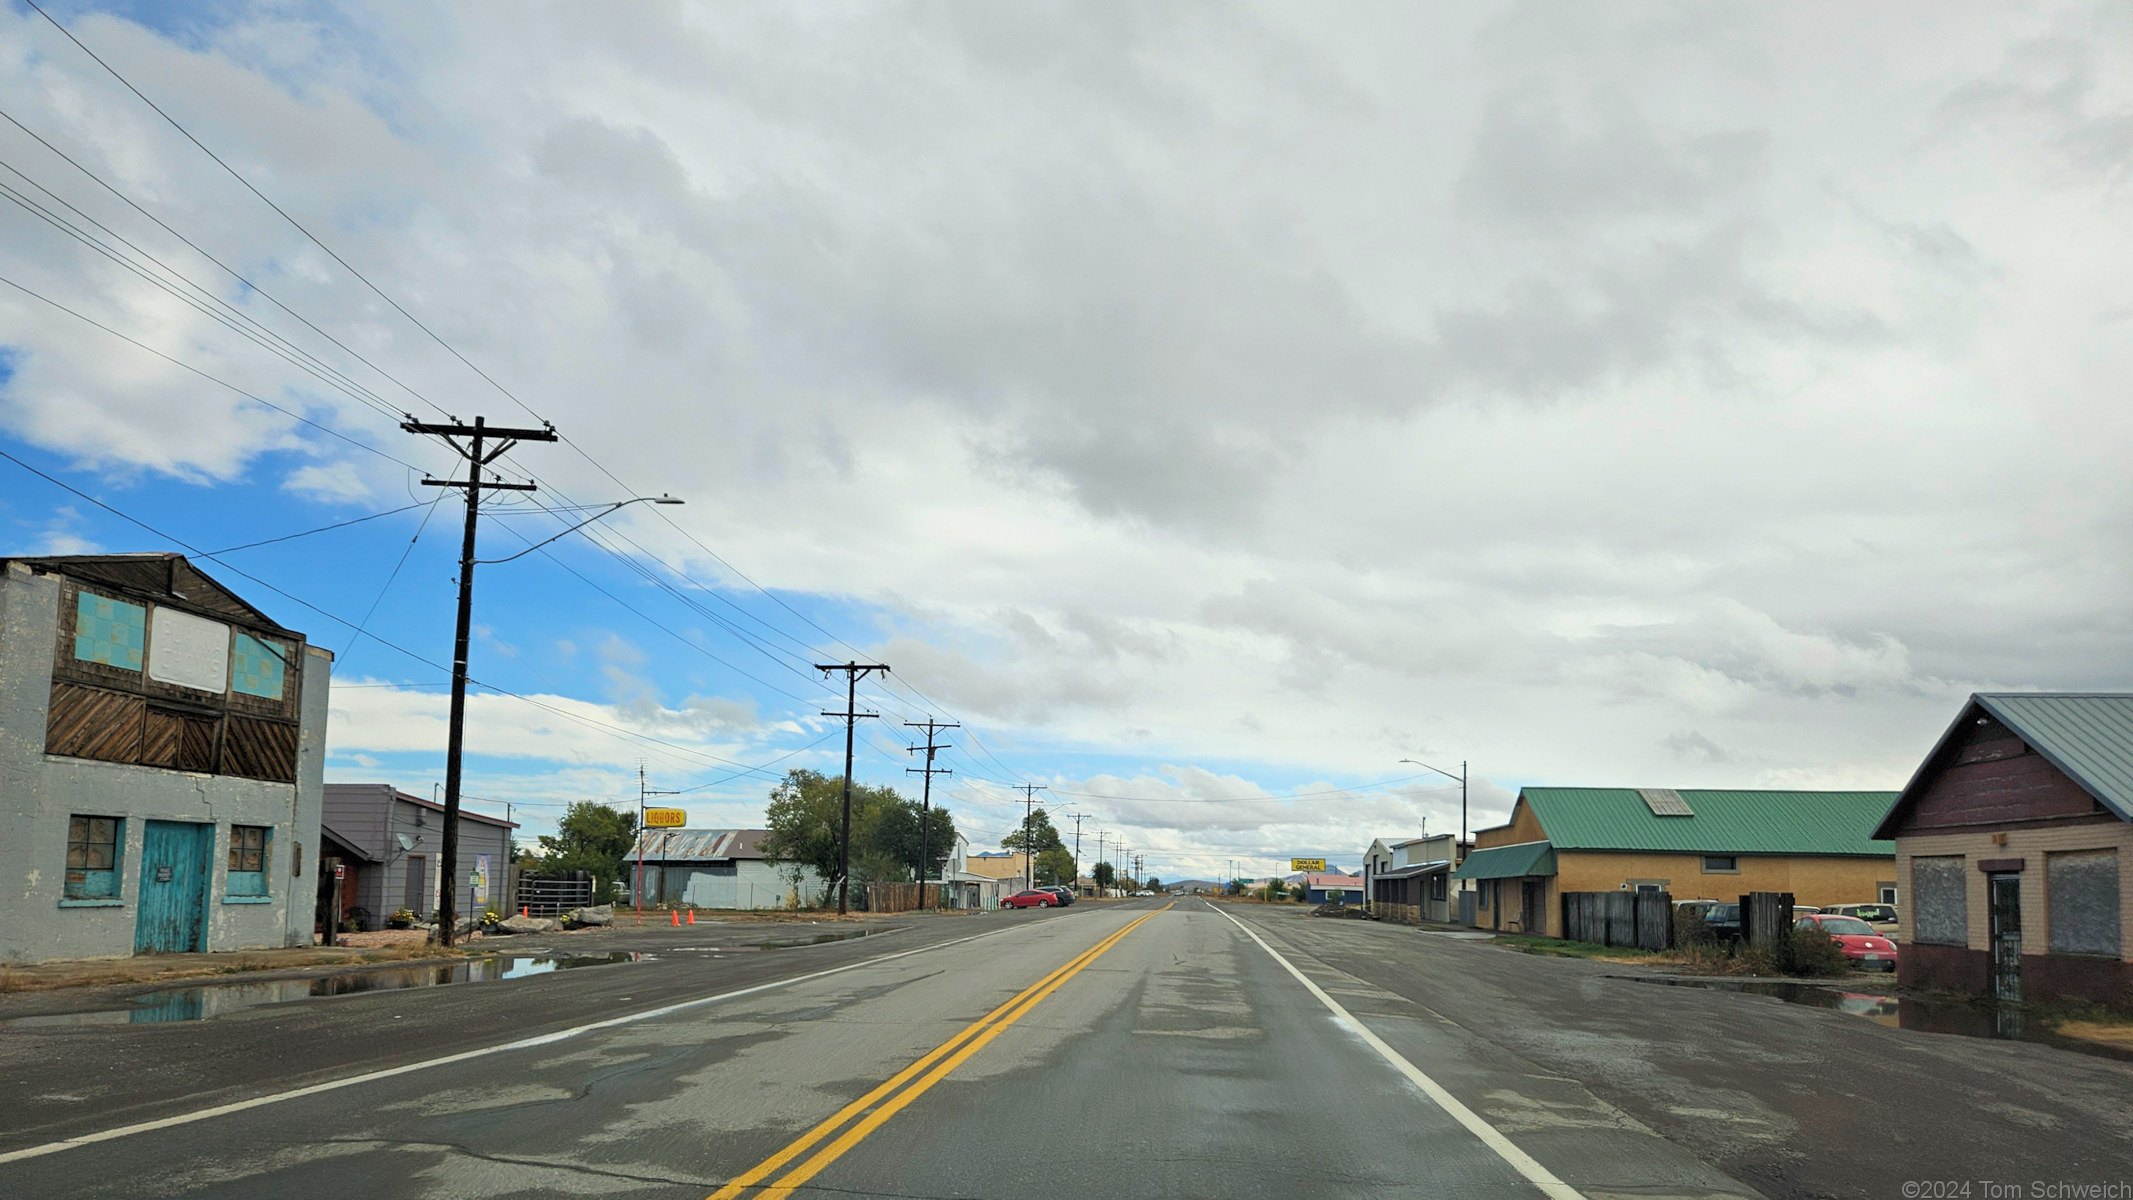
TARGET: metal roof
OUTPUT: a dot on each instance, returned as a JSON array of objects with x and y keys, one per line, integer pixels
[
  {"x": 1511, "y": 862},
  {"x": 699, "y": 845},
  {"x": 1413, "y": 869},
  {"x": 1725, "y": 821},
  {"x": 2087, "y": 735}
]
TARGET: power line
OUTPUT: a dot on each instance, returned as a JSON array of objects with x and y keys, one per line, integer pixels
[
  {"x": 290, "y": 537},
  {"x": 185, "y": 366},
  {"x": 229, "y": 270},
  {"x": 449, "y": 347},
  {"x": 565, "y": 714}
]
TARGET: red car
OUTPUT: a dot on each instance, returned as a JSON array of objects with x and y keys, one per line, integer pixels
[
  {"x": 1031, "y": 899},
  {"x": 1862, "y": 943}
]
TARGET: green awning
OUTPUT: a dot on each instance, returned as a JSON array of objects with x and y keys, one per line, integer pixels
[{"x": 1508, "y": 862}]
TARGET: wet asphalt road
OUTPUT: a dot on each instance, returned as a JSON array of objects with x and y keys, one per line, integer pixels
[{"x": 1180, "y": 1060}]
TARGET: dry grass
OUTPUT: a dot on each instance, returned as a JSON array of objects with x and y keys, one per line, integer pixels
[
  {"x": 162, "y": 968},
  {"x": 2105, "y": 1032}
]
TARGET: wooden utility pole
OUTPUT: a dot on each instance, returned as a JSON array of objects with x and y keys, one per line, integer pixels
[
  {"x": 479, "y": 452},
  {"x": 1029, "y": 819},
  {"x": 853, "y": 673},
  {"x": 637, "y": 887},
  {"x": 925, "y": 807}
]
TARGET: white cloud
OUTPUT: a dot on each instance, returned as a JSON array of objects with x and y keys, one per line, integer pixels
[{"x": 1601, "y": 395}]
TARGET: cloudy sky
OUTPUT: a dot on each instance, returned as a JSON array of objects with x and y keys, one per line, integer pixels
[{"x": 1202, "y": 403}]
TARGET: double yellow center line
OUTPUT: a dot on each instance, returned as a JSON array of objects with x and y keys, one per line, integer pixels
[{"x": 887, "y": 1100}]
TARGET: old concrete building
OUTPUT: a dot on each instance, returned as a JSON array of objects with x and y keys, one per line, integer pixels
[
  {"x": 2012, "y": 839},
  {"x": 391, "y": 845},
  {"x": 162, "y": 744}
]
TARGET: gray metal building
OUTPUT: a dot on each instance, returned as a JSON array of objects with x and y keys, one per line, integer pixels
[
  {"x": 162, "y": 748},
  {"x": 717, "y": 868},
  {"x": 390, "y": 843}
]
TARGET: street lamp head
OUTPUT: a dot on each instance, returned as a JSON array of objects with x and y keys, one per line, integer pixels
[{"x": 663, "y": 498}]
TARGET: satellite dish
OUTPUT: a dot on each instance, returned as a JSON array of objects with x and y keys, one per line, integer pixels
[{"x": 407, "y": 841}]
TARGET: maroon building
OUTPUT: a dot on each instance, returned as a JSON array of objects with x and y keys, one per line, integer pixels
[{"x": 2011, "y": 841}]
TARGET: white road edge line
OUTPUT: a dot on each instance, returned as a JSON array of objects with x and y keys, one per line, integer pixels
[
  {"x": 1540, "y": 1176},
  {"x": 544, "y": 1039}
]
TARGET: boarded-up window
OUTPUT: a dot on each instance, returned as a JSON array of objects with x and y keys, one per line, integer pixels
[
  {"x": 179, "y": 740},
  {"x": 85, "y": 722},
  {"x": 259, "y": 749},
  {"x": 111, "y": 632},
  {"x": 1940, "y": 901},
  {"x": 2083, "y": 890}
]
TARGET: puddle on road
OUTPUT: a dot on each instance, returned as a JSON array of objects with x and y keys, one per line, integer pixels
[
  {"x": 1984, "y": 1020},
  {"x": 200, "y": 1002}
]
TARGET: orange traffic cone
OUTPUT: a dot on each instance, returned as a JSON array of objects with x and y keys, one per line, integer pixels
[
  {"x": 677, "y": 919},
  {"x": 692, "y": 916},
  {"x": 522, "y": 911}
]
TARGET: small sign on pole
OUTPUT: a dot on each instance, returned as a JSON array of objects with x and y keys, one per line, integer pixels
[
  {"x": 665, "y": 818},
  {"x": 1307, "y": 864},
  {"x": 339, "y": 871}
]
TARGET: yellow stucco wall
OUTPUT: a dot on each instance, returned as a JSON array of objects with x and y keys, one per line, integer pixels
[
  {"x": 995, "y": 868},
  {"x": 1820, "y": 880}
]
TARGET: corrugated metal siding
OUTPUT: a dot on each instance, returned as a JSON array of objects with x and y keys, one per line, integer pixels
[
  {"x": 1726, "y": 822},
  {"x": 2090, "y": 737}
]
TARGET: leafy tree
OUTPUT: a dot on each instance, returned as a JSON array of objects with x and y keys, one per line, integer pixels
[
  {"x": 1102, "y": 874},
  {"x": 806, "y": 815},
  {"x": 592, "y": 838},
  {"x": 1055, "y": 867},
  {"x": 1154, "y": 884},
  {"x": 1234, "y": 887},
  {"x": 1037, "y": 831}
]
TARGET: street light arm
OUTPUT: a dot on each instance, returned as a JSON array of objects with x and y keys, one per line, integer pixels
[
  {"x": 489, "y": 562},
  {"x": 1439, "y": 770}
]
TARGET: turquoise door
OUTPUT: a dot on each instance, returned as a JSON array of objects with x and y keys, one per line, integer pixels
[{"x": 175, "y": 870}]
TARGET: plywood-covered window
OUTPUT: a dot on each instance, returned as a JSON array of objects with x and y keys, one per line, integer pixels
[
  {"x": 92, "y": 858},
  {"x": 248, "y": 860},
  {"x": 1940, "y": 901},
  {"x": 2082, "y": 891}
]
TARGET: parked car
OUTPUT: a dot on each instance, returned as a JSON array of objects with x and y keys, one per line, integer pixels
[
  {"x": 1065, "y": 894},
  {"x": 1701, "y": 908},
  {"x": 1804, "y": 910},
  {"x": 1031, "y": 899},
  {"x": 1881, "y": 916},
  {"x": 1724, "y": 920},
  {"x": 1862, "y": 943}
]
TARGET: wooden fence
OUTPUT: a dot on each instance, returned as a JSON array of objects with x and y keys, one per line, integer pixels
[
  {"x": 1644, "y": 920},
  {"x": 1766, "y": 919},
  {"x": 897, "y": 897}
]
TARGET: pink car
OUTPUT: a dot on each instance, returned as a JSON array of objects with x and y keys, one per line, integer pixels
[
  {"x": 1862, "y": 943},
  {"x": 1031, "y": 900}
]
